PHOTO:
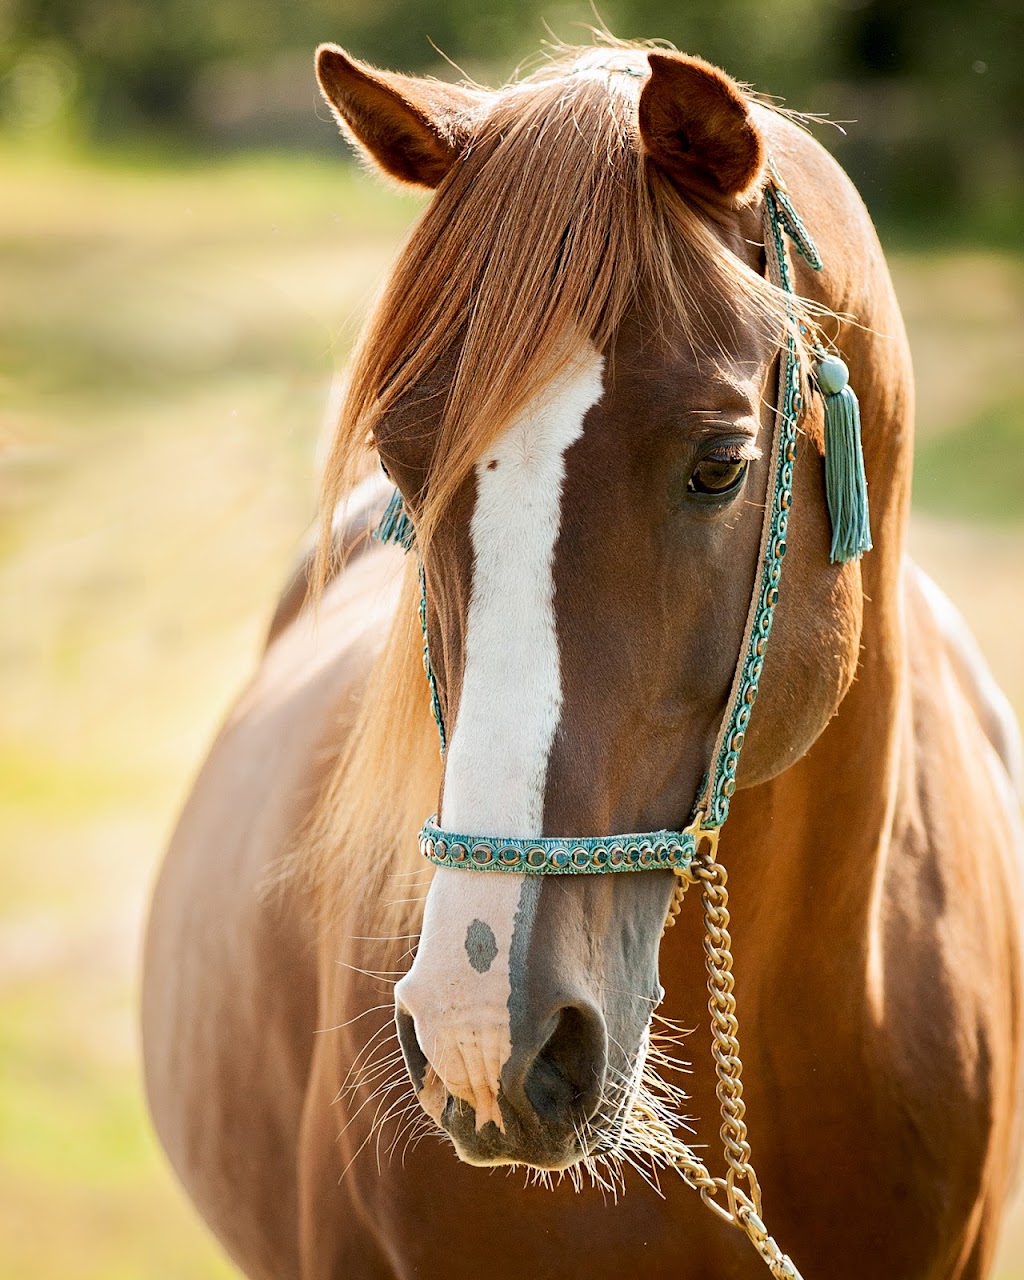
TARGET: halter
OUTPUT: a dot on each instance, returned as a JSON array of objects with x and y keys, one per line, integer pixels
[
  {"x": 692, "y": 852},
  {"x": 676, "y": 850}
]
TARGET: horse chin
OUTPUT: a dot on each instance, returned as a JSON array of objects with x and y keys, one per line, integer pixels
[
  {"x": 523, "y": 1137},
  {"x": 535, "y": 1146}
]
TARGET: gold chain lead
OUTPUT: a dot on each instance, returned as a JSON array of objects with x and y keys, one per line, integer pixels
[{"x": 736, "y": 1198}]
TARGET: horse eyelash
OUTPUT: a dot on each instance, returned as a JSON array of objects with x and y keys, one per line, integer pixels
[{"x": 735, "y": 453}]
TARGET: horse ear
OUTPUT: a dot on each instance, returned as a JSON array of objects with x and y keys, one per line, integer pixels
[
  {"x": 697, "y": 126},
  {"x": 413, "y": 129}
]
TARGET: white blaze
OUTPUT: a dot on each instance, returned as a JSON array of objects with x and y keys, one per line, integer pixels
[
  {"x": 497, "y": 759},
  {"x": 511, "y": 694}
]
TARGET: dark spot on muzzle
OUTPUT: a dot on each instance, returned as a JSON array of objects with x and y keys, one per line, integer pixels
[{"x": 481, "y": 946}]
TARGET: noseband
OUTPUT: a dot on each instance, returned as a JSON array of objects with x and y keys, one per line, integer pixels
[{"x": 691, "y": 852}]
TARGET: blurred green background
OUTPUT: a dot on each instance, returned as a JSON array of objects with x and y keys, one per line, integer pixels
[{"x": 185, "y": 253}]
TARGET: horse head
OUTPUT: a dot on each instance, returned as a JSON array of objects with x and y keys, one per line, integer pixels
[{"x": 571, "y": 379}]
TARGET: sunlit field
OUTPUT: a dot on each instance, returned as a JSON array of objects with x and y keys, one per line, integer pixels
[{"x": 168, "y": 336}]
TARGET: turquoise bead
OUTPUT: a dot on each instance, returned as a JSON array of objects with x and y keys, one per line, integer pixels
[{"x": 832, "y": 375}]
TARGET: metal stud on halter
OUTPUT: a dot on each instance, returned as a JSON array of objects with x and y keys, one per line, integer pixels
[{"x": 692, "y": 852}]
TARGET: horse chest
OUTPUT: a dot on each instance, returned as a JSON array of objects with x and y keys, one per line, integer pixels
[{"x": 871, "y": 1137}]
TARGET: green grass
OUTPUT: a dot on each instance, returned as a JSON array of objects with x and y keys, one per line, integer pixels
[
  {"x": 68, "y": 1115},
  {"x": 168, "y": 332},
  {"x": 975, "y": 472}
]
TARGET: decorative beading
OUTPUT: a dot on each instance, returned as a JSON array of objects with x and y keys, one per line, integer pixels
[
  {"x": 785, "y": 217},
  {"x": 396, "y": 527},
  {"x": 554, "y": 855},
  {"x": 722, "y": 782},
  {"x": 428, "y": 666}
]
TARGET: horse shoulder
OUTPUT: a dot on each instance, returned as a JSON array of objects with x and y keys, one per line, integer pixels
[
  {"x": 230, "y": 979},
  {"x": 958, "y": 810},
  {"x": 972, "y": 673},
  {"x": 353, "y": 523},
  {"x": 949, "y": 991}
]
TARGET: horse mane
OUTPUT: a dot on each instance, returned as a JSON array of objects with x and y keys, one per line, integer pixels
[{"x": 501, "y": 280}]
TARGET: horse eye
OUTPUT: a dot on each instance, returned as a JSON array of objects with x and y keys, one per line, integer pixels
[{"x": 717, "y": 476}]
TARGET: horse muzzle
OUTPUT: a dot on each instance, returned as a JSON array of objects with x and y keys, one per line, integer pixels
[{"x": 547, "y": 1105}]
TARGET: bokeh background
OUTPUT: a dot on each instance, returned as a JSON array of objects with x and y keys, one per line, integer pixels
[{"x": 185, "y": 253}]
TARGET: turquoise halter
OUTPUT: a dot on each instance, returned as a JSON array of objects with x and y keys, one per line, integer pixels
[{"x": 847, "y": 500}]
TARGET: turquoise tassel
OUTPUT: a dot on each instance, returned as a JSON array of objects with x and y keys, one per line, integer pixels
[
  {"x": 395, "y": 525},
  {"x": 846, "y": 485}
]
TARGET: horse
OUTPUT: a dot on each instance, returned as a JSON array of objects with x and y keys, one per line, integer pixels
[{"x": 570, "y": 381}]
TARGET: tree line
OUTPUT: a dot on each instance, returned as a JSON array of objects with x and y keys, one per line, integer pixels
[{"x": 932, "y": 91}]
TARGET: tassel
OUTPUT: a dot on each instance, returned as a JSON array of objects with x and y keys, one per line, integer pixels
[
  {"x": 846, "y": 485},
  {"x": 395, "y": 525}
]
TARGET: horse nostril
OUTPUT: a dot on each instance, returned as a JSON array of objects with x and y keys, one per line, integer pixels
[
  {"x": 415, "y": 1058},
  {"x": 566, "y": 1079}
]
